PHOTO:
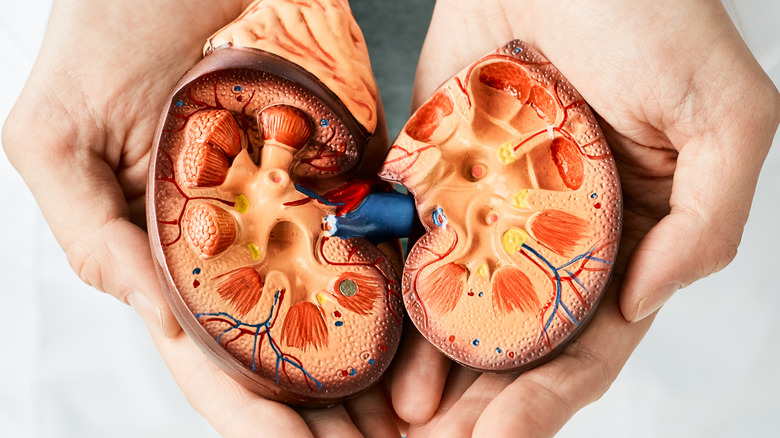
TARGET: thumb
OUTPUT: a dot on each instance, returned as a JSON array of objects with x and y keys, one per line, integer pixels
[
  {"x": 116, "y": 258},
  {"x": 681, "y": 249},
  {"x": 86, "y": 209},
  {"x": 712, "y": 191}
]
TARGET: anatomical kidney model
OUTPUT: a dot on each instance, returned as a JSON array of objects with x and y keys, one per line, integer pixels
[
  {"x": 518, "y": 192},
  {"x": 264, "y": 224}
]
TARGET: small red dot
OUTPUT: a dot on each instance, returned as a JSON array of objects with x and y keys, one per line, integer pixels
[
  {"x": 195, "y": 283},
  {"x": 337, "y": 314},
  {"x": 452, "y": 338},
  {"x": 343, "y": 373},
  {"x": 239, "y": 98},
  {"x": 471, "y": 294},
  {"x": 382, "y": 347},
  {"x": 511, "y": 354},
  {"x": 597, "y": 205}
]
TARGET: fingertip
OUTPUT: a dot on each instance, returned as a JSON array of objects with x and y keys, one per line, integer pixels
[
  {"x": 674, "y": 253},
  {"x": 371, "y": 414},
  {"x": 156, "y": 317},
  {"x": 171, "y": 327},
  {"x": 417, "y": 379},
  {"x": 649, "y": 303},
  {"x": 415, "y": 398},
  {"x": 125, "y": 266},
  {"x": 333, "y": 421}
]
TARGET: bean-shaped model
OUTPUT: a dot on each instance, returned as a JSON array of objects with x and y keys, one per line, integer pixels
[
  {"x": 515, "y": 185},
  {"x": 265, "y": 150}
]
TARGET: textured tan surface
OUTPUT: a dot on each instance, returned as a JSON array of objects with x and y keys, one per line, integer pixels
[
  {"x": 462, "y": 161},
  {"x": 319, "y": 35},
  {"x": 347, "y": 341}
]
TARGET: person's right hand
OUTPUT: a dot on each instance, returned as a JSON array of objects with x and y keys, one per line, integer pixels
[
  {"x": 81, "y": 135},
  {"x": 690, "y": 117}
]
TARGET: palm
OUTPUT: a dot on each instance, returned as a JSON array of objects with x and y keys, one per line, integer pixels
[{"x": 123, "y": 73}]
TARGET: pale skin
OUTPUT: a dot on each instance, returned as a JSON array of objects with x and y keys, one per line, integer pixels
[{"x": 688, "y": 111}]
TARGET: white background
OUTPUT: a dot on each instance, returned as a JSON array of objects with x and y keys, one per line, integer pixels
[{"x": 77, "y": 363}]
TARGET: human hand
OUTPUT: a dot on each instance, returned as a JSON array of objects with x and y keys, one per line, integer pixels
[
  {"x": 81, "y": 135},
  {"x": 690, "y": 116}
]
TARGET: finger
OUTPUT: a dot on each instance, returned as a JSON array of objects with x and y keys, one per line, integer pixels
[
  {"x": 417, "y": 377},
  {"x": 372, "y": 415},
  {"x": 330, "y": 422},
  {"x": 228, "y": 406},
  {"x": 712, "y": 191},
  {"x": 458, "y": 382},
  {"x": 459, "y": 420},
  {"x": 541, "y": 400},
  {"x": 87, "y": 211}
]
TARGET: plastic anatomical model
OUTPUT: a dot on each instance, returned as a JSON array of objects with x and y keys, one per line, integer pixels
[
  {"x": 516, "y": 187},
  {"x": 273, "y": 236}
]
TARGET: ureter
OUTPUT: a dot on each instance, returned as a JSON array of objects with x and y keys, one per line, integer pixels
[{"x": 275, "y": 155}]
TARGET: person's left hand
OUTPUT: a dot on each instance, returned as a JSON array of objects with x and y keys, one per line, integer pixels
[{"x": 81, "y": 135}]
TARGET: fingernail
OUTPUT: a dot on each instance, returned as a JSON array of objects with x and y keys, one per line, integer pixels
[
  {"x": 150, "y": 314},
  {"x": 654, "y": 301}
]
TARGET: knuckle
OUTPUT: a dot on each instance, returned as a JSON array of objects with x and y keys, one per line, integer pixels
[
  {"x": 12, "y": 134},
  {"x": 551, "y": 392},
  {"x": 717, "y": 242},
  {"x": 43, "y": 127},
  {"x": 724, "y": 251},
  {"x": 92, "y": 259},
  {"x": 536, "y": 424},
  {"x": 716, "y": 253},
  {"x": 594, "y": 365},
  {"x": 86, "y": 261}
]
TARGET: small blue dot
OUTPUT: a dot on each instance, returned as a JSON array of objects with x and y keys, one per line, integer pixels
[
  {"x": 475, "y": 342},
  {"x": 339, "y": 323},
  {"x": 179, "y": 103},
  {"x": 480, "y": 294},
  {"x": 593, "y": 195},
  {"x": 498, "y": 350},
  {"x": 237, "y": 88},
  {"x": 352, "y": 371},
  {"x": 371, "y": 361},
  {"x": 196, "y": 271},
  {"x": 324, "y": 122},
  {"x": 517, "y": 50}
]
